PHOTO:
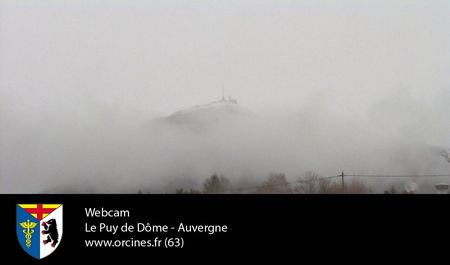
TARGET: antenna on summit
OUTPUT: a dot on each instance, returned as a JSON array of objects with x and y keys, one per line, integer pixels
[
  {"x": 229, "y": 99},
  {"x": 223, "y": 92}
]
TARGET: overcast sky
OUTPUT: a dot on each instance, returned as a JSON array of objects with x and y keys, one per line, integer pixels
[
  {"x": 66, "y": 66},
  {"x": 165, "y": 55}
]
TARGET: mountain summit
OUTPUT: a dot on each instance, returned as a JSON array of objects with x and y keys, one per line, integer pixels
[{"x": 201, "y": 117}]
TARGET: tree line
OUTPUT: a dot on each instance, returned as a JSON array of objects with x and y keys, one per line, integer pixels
[{"x": 277, "y": 183}]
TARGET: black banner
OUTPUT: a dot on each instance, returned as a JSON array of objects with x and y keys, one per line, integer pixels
[{"x": 212, "y": 228}]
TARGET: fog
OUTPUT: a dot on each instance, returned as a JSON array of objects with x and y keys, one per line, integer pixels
[{"x": 87, "y": 90}]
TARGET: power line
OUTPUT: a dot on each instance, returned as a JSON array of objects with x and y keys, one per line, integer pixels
[
  {"x": 396, "y": 176},
  {"x": 300, "y": 181},
  {"x": 285, "y": 183}
]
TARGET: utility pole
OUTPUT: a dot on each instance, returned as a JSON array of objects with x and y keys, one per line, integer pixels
[{"x": 343, "y": 183}]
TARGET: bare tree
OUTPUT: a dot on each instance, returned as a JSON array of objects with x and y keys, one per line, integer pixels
[
  {"x": 310, "y": 182},
  {"x": 325, "y": 185},
  {"x": 276, "y": 184},
  {"x": 357, "y": 187},
  {"x": 216, "y": 185}
]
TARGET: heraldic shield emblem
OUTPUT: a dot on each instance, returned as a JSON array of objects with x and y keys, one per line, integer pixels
[{"x": 39, "y": 228}]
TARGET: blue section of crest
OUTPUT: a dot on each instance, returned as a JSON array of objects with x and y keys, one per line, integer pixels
[{"x": 23, "y": 216}]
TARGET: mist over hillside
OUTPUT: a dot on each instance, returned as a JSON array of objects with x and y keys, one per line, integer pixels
[
  {"x": 112, "y": 152},
  {"x": 114, "y": 96}
]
